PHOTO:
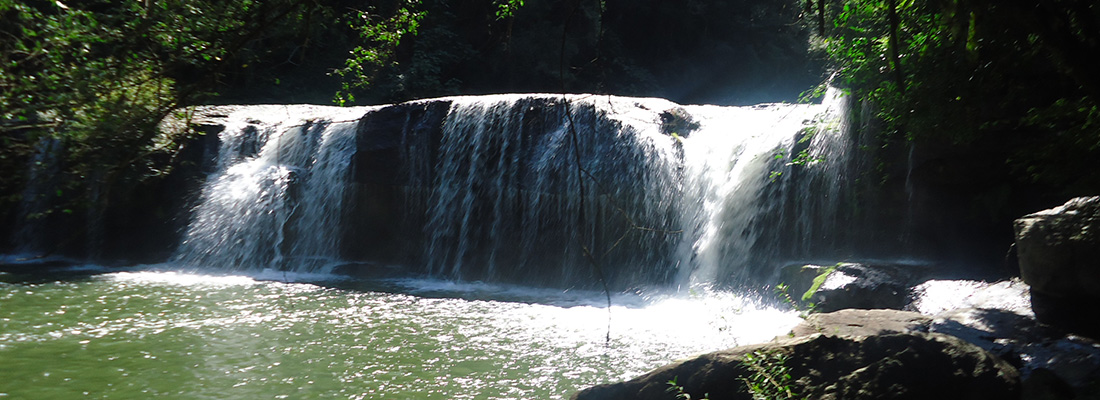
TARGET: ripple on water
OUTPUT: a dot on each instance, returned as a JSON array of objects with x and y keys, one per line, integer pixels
[{"x": 137, "y": 334}]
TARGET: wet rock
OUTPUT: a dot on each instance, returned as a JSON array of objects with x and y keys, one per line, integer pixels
[
  {"x": 851, "y": 285},
  {"x": 855, "y": 322},
  {"x": 678, "y": 121},
  {"x": 937, "y": 296},
  {"x": 1039, "y": 351},
  {"x": 1044, "y": 385},
  {"x": 1059, "y": 249},
  {"x": 895, "y": 366},
  {"x": 1059, "y": 256}
]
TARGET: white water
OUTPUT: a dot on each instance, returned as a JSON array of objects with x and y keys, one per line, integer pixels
[
  {"x": 281, "y": 172},
  {"x": 736, "y": 153},
  {"x": 502, "y": 196}
]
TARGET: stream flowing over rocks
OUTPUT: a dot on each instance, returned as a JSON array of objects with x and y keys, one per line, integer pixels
[
  {"x": 982, "y": 344},
  {"x": 896, "y": 333}
]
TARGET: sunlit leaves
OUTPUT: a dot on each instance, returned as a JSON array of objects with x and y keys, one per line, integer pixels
[
  {"x": 508, "y": 8},
  {"x": 380, "y": 37}
]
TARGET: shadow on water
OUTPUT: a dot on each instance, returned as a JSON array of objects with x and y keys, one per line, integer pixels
[
  {"x": 377, "y": 278},
  {"x": 38, "y": 270}
]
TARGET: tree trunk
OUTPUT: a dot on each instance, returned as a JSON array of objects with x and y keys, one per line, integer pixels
[
  {"x": 895, "y": 58},
  {"x": 820, "y": 17}
]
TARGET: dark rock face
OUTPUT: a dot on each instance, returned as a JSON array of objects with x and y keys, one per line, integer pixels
[
  {"x": 459, "y": 186},
  {"x": 895, "y": 366},
  {"x": 143, "y": 220},
  {"x": 382, "y": 191},
  {"x": 1059, "y": 256},
  {"x": 128, "y": 218},
  {"x": 1059, "y": 249}
]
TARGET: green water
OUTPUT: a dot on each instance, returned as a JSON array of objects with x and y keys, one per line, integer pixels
[{"x": 139, "y": 334}]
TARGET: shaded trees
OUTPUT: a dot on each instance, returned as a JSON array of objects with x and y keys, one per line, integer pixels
[
  {"x": 99, "y": 76},
  {"x": 996, "y": 95}
]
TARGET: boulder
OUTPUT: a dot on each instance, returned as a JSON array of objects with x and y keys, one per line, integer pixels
[
  {"x": 854, "y": 322},
  {"x": 1049, "y": 360},
  {"x": 1059, "y": 249},
  {"x": 893, "y": 366},
  {"x": 1059, "y": 256},
  {"x": 851, "y": 285}
]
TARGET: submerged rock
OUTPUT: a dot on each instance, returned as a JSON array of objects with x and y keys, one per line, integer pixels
[{"x": 893, "y": 366}]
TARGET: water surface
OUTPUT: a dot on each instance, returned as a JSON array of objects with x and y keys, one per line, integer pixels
[{"x": 142, "y": 333}]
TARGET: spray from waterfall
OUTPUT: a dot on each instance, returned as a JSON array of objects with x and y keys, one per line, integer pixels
[
  {"x": 488, "y": 188},
  {"x": 276, "y": 198}
]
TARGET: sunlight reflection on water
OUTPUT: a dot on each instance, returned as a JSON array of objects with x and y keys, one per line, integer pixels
[{"x": 134, "y": 334}]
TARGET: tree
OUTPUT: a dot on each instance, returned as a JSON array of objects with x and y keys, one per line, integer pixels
[
  {"x": 1004, "y": 81},
  {"x": 99, "y": 76}
]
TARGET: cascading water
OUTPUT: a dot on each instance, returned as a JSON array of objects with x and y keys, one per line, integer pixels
[
  {"x": 735, "y": 163},
  {"x": 36, "y": 202},
  {"x": 277, "y": 195},
  {"x": 505, "y": 199},
  {"x": 494, "y": 188}
]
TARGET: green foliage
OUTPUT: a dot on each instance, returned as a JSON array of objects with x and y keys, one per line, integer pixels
[
  {"x": 804, "y": 307},
  {"x": 100, "y": 76},
  {"x": 803, "y": 303},
  {"x": 381, "y": 37},
  {"x": 770, "y": 377},
  {"x": 507, "y": 8},
  {"x": 679, "y": 392},
  {"x": 99, "y": 81},
  {"x": 817, "y": 282},
  {"x": 976, "y": 72},
  {"x": 802, "y": 156}
]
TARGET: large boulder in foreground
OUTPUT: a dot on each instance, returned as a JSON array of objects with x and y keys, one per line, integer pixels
[
  {"x": 1059, "y": 255},
  {"x": 893, "y": 366},
  {"x": 1059, "y": 249}
]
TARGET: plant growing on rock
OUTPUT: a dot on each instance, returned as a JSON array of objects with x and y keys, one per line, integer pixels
[
  {"x": 770, "y": 376},
  {"x": 679, "y": 391}
]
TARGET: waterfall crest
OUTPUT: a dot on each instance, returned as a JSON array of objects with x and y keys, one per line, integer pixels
[{"x": 540, "y": 189}]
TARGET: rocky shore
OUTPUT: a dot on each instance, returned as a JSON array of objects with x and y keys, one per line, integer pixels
[{"x": 896, "y": 332}]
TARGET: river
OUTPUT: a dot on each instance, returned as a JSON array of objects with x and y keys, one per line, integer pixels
[{"x": 140, "y": 332}]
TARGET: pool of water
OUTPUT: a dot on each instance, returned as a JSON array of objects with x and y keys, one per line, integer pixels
[{"x": 143, "y": 332}]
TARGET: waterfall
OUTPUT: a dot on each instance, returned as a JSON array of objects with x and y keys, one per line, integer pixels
[
  {"x": 505, "y": 201},
  {"x": 37, "y": 203},
  {"x": 539, "y": 189},
  {"x": 276, "y": 198},
  {"x": 749, "y": 203}
]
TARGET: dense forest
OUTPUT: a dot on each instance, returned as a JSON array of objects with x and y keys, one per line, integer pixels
[{"x": 1000, "y": 96}]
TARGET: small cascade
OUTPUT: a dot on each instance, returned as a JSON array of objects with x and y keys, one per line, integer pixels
[
  {"x": 37, "y": 203},
  {"x": 740, "y": 169},
  {"x": 276, "y": 198}
]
